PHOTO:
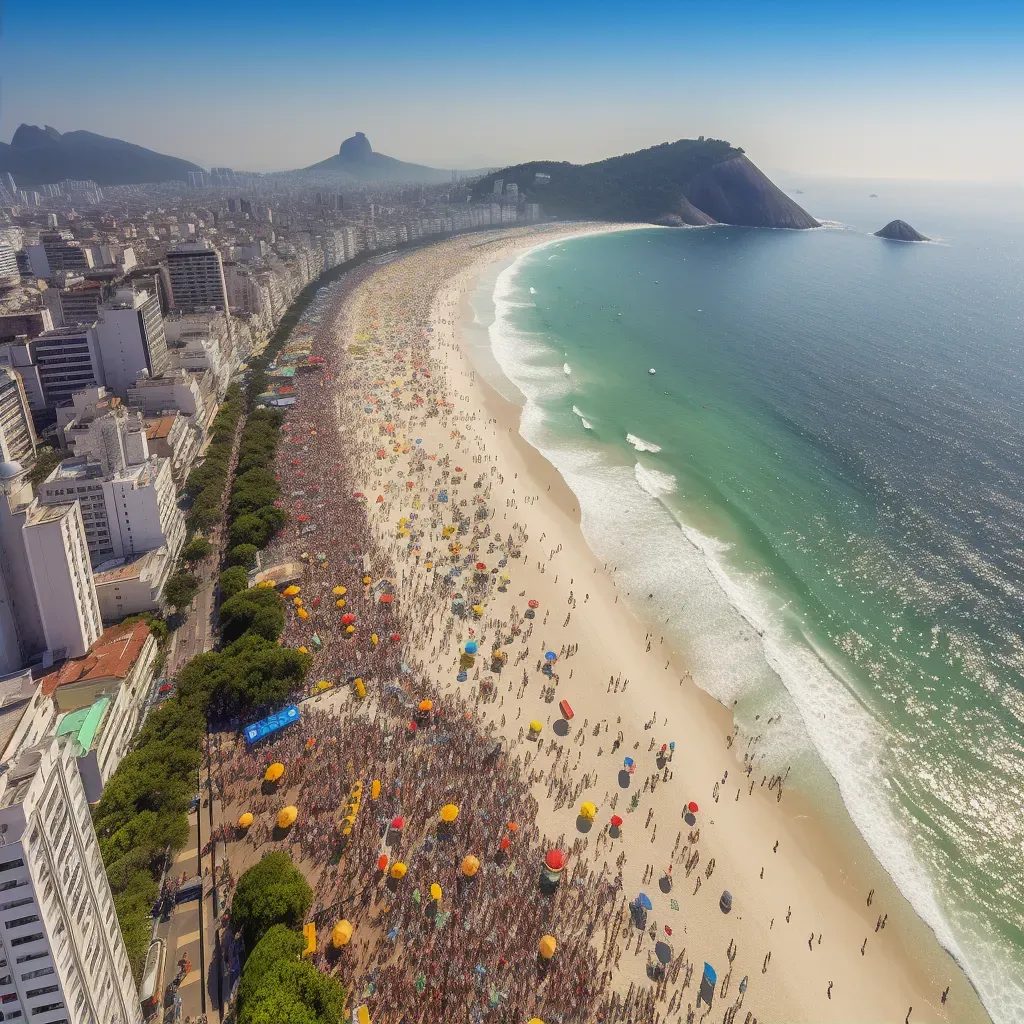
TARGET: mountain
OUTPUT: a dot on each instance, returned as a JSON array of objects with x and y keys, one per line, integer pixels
[
  {"x": 900, "y": 231},
  {"x": 40, "y": 156},
  {"x": 692, "y": 181},
  {"x": 356, "y": 159}
]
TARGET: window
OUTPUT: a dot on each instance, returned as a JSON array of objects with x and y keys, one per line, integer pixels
[
  {"x": 46, "y": 990},
  {"x": 30, "y": 956},
  {"x": 17, "y": 922},
  {"x": 47, "y": 1007},
  {"x": 16, "y": 903},
  {"x": 9, "y": 865},
  {"x": 39, "y": 972},
  {"x": 35, "y": 937}
]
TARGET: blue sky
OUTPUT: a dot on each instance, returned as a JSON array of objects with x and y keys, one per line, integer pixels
[{"x": 898, "y": 89}]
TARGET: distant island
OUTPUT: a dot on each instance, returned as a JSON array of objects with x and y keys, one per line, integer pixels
[
  {"x": 692, "y": 182},
  {"x": 901, "y": 231},
  {"x": 38, "y": 156}
]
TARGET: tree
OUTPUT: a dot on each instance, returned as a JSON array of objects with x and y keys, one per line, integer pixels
[
  {"x": 271, "y": 892},
  {"x": 47, "y": 460},
  {"x": 196, "y": 549},
  {"x": 243, "y": 555},
  {"x": 277, "y": 986},
  {"x": 233, "y": 581},
  {"x": 180, "y": 589},
  {"x": 260, "y": 610},
  {"x": 249, "y": 529}
]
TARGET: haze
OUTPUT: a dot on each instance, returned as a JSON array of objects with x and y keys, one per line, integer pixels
[{"x": 912, "y": 90}]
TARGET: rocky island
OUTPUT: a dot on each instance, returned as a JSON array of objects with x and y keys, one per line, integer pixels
[{"x": 900, "y": 231}]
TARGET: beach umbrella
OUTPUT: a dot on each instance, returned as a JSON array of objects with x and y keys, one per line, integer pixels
[
  {"x": 374, "y": 639},
  {"x": 375, "y": 789},
  {"x": 382, "y": 862},
  {"x": 550, "y": 656},
  {"x": 692, "y": 807},
  {"x": 555, "y": 860},
  {"x": 536, "y": 726},
  {"x": 533, "y": 604},
  {"x": 481, "y": 566},
  {"x": 435, "y": 892},
  {"x": 274, "y": 772},
  {"x": 360, "y": 688},
  {"x": 470, "y": 865},
  {"x": 471, "y": 647},
  {"x": 367, "y": 580},
  {"x": 616, "y": 821},
  {"x": 340, "y": 603},
  {"x": 505, "y": 842},
  {"x": 588, "y": 810},
  {"x": 547, "y": 946},
  {"x": 347, "y": 619},
  {"x": 535, "y": 1020},
  {"x": 449, "y": 813},
  {"x": 426, "y": 705},
  {"x": 644, "y": 901},
  {"x": 286, "y": 816},
  {"x": 292, "y": 590},
  {"x": 398, "y": 823},
  {"x": 398, "y": 870},
  {"x": 725, "y": 903},
  {"x": 298, "y": 602},
  {"x": 339, "y": 591},
  {"x": 628, "y": 762},
  {"x": 303, "y": 614},
  {"x": 350, "y": 630},
  {"x": 387, "y": 598},
  {"x": 513, "y": 827},
  {"x": 478, "y": 610},
  {"x": 341, "y": 934},
  {"x": 245, "y": 820}
]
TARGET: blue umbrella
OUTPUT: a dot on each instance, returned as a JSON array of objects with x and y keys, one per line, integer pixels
[
  {"x": 628, "y": 762},
  {"x": 644, "y": 901},
  {"x": 471, "y": 647},
  {"x": 709, "y": 973},
  {"x": 550, "y": 656}
]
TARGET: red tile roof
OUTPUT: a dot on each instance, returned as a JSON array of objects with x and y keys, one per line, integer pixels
[{"x": 111, "y": 657}]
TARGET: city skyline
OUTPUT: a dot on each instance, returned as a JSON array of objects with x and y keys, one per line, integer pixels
[{"x": 919, "y": 92}]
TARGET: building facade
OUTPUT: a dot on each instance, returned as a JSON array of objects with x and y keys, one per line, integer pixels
[
  {"x": 197, "y": 278},
  {"x": 130, "y": 334}
]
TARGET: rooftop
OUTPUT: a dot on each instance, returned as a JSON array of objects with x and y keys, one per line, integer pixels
[
  {"x": 41, "y": 514},
  {"x": 118, "y": 570},
  {"x": 84, "y": 723},
  {"x": 159, "y": 428},
  {"x": 111, "y": 657}
]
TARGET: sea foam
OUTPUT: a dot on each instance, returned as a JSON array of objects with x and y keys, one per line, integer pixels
[{"x": 641, "y": 445}]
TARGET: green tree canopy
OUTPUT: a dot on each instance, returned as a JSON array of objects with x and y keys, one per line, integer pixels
[
  {"x": 233, "y": 581},
  {"x": 271, "y": 892},
  {"x": 260, "y": 610},
  {"x": 196, "y": 549},
  {"x": 243, "y": 555},
  {"x": 180, "y": 589}
]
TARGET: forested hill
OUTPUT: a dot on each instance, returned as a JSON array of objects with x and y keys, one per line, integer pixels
[{"x": 692, "y": 181}]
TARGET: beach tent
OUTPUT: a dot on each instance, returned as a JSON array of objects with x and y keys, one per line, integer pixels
[
  {"x": 707, "y": 985},
  {"x": 341, "y": 934}
]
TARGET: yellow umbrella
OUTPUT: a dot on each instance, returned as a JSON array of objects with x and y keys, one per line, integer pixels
[
  {"x": 374, "y": 639},
  {"x": 303, "y": 650},
  {"x": 536, "y": 726},
  {"x": 341, "y": 933},
  {"x": 535, "y": 1020},
  {"x": 274, "y": 772},
  {"x": 286, "y": 817},
  {"x": 360, "y": 689},
  {"x": 375, "y": 789},
  {"x": 470, "y": 865},
  {"x": 339, "y": 591},
  {"x": 435, "y": 891},
  {"x": 350, "y": 630},
  {"x": 367, "y": 580},
  {"x": 245, "y": 820},
  {"x": 297, "y": 601},
  {"x": 547, "y": 947},
  {"x": 478, "y": 609},
  {"x": 449, "y": 813},
  {"x": 292, "y": 590},
  {"x": 426, "y": 705},
  {"x": 303, "y": 614},
  {"x": 398, "y": 870},
  {"x": 587, "y": 810},
  {"x": 340, "y": 603}
]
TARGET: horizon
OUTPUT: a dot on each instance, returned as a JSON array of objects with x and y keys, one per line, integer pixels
[{"x": 805, "y": 91}]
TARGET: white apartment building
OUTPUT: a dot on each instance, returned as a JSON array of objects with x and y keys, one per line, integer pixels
[
  {"x": 10, "y": 276},
  {"x": 197, "y": 278},
  {"x": 63, "y": 958},
  {"x": 63, "y": 361},
  {"x": 130, "y": 335},
  {"x": 129, "y": 586},
  {"x": 175, "y": 390},
  {"x": 17, "y": 435}
]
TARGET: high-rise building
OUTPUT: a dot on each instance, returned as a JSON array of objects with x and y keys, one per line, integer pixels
[
  {"x": 498, "y": 184},
  {"x": 197, "y": 278},
  {"x": 77, "y": 302},
  {"x": 130, "y": 333},
  {"x": 57, "y": 251},
  {"x": 10, "y": 275},
  {"x": 17, "y": 435},
  {"x": 66, "y": 359},
  {"x": 196, "y": 179},
  {"x": 61, "y": 943}
]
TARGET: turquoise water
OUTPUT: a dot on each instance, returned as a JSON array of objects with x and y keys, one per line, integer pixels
[{"x": 822, "y": 487}]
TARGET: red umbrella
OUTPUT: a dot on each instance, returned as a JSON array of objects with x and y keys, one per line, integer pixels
[
  {"x": 413, "y": 727},
  {"x": 616, "y": 820},
  {"x": 347, "y": 619},
  {"x": 398, "y": 823},
  {"x": 387, "y": 598},
  {"x": 395, "y": 637},
  {"x": 505, "y": 842},
  {"x": 382, "y": 862},
  {"x": 458, "y": 469},
  {"x": 533, "y": 604},
  {"x": 481, "y": 565},
  {"x": 555, "y": 860},
  {"x": 692, "y": 807}
]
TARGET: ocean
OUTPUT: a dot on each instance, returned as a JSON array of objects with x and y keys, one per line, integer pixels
[{"x": 822, "y": 488}]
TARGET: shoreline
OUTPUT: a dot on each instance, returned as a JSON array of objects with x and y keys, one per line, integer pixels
[{"x": 816, "y": 836}]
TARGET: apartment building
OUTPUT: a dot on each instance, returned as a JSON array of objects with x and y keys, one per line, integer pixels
[{"x": 17, "y": 435}]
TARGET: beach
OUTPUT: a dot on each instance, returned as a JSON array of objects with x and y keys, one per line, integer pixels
[{"x": 430, "y": 457}]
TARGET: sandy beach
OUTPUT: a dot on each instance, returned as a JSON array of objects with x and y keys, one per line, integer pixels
[{"x": 430, "y": 457}]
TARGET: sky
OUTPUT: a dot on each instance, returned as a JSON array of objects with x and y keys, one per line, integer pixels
[{"x": 896, "y": 89}]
